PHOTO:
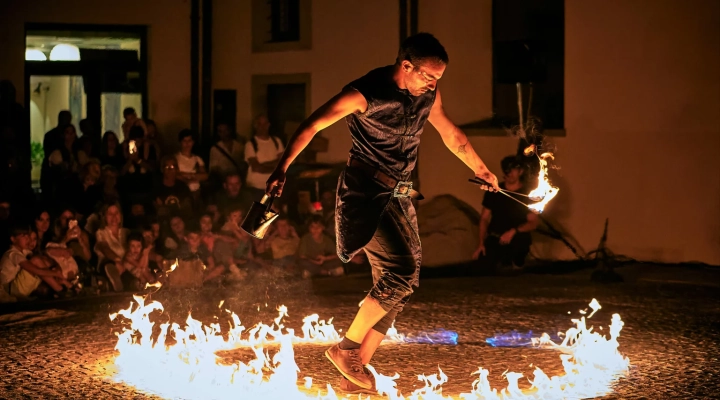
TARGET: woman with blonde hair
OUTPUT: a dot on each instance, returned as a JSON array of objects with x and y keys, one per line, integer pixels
[{"x": 111, "y": 244}]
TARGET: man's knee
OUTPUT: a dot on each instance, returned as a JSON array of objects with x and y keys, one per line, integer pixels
[{"x": 391, "y": 291}]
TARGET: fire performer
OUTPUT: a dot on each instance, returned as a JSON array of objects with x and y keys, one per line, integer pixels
[{"x": 385, "y": 111}]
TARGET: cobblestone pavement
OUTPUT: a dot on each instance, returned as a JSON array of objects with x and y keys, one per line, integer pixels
[{"x": 671, "y": 333}]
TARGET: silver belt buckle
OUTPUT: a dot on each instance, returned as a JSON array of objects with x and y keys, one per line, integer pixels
[{"x": 402, "y": 189}]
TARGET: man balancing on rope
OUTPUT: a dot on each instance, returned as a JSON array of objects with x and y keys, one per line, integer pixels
[{"x": 385, "y": 111}]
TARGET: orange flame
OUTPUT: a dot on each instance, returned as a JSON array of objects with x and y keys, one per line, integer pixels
[
  {"x": 190, "y": 368},
  {"x": 544, "y": 192}
]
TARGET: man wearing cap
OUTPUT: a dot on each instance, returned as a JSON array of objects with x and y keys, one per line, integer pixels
[
  {"x": 505, "y": 225},
  {"x": 386, "y": 111}
]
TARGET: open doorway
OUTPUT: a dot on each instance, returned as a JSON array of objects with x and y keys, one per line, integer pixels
[
  {"x": 49, "y": 96},
  {"x": 92, "y": 71}
]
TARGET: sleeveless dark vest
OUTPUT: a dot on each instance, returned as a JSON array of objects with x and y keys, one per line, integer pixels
[{"x": 386, "y": 136}]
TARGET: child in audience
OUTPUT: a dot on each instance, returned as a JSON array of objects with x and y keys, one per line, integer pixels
[
  {"x": 284, "y": 242},
  {"x": 172, "y": 240},
  {"x": 193, "y": 249},
  {"x": 20, "y": 278},
  {"x": 243, "y": 254},
  {"x": 61, "y": 254},
  {"x": 317, "y": 255},
  {"x": 137, "y": 260}
]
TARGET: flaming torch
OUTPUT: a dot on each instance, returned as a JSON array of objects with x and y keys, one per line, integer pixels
[{"x": 541, "y": 195}]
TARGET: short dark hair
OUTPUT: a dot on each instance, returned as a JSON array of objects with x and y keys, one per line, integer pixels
[
  {"x": 231, "y": 174},
  {"x": 316, "y": 219},
  {"x": 511, "y": 162},
  {"x": 420, "y": 48},
  {"x": 128, "y": 111},
  {"x": 185, "y": 133},
  {"x": 64, "y": 117},
  {"x": 18, "y": 228},
  {"x": 136, "y": 237}
]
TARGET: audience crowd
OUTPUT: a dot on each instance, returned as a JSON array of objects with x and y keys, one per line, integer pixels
[{"x": 114, "y": 213}]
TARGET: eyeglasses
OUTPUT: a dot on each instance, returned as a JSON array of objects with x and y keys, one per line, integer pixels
[
  {"x": 169, "y": 167},
  {"x": 424, "y": 75}
]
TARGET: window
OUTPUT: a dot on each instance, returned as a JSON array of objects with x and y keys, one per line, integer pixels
[
  {"x": 280, "y": 25},
  {"x": 529, "y": 48}
]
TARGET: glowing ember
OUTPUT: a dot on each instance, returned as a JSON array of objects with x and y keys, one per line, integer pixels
[
  {"x": 190, "y": 368},
  {"x": 544, "y": 192}
]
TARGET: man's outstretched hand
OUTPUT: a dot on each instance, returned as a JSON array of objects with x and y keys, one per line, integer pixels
[
  {"x": 490, "y": 178},
  {"x": 275, "y": 182}
]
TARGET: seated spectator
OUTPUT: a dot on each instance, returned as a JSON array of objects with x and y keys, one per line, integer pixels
[
  {"x": 151, "y": 236},
  {"x": 505, "y": 225},
  {"x": 67, "y": 232},
  {"x": 227, "y": 156},
  {"x": 111, "y": 245},
  {"x": 171, "y": 196},
  {"x": 193, "y": 249},
  {"x": 21, "y": 278},
  {"x": 243, "y": 254},
  {"x": 234, "y": 194},
  {"x": 316, "y": 253},
  {"x": 173, "y": 238},
  {"x": 109, "y": 180},
  {"x": 42, "y": 227},
  {"x": 262, "y": 153},
  {"x": 191, "y": 168},
  {"x": 138, "y": 215},
  {"x": 111, "y": 153},
  {"x": 220, "y": 246},
  {"x": 284, "y": 242},
  {"x": 62, "y": 256},
  {"x": 137, "y": 261}
]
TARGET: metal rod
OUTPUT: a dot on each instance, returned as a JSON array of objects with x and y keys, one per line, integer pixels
[
  {"x": 517, "y": 193},
  {"x": 479, "y": 181},
  {"x": 526, "y": 205}
]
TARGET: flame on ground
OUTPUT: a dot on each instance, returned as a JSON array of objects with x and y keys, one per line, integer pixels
[
  {"x": 190, "y": 368},
  {"x": 544, "y": 192}
]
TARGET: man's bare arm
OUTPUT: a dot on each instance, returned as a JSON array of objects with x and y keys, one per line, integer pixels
[
  {"x": 343, "y": 104},
  {"x": 457, "y": 141}
]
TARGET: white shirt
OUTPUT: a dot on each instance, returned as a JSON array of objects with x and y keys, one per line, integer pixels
[
  {"x": 190, "y": 165},
  {"x": 220, "y": 163},
  {"x": 117, "y": 245},
  {"x": 10, "y": 264},
  {"x": 267, "y": 150}
]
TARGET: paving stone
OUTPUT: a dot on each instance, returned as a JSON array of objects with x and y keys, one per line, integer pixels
[{"x": 670, "y": 335}]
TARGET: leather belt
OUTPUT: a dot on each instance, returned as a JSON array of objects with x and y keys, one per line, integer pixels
[{"x": 400, "y": 188}]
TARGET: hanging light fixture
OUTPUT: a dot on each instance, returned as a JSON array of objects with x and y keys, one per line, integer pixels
[
  {"x": 35, "y": 55},
  {"x": 65, "y": 52}
]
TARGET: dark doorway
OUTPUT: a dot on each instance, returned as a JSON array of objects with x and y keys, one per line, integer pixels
[{"x": 285, "y": 107}]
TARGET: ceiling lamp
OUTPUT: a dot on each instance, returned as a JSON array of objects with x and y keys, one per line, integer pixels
[
  {"x": 35, "y": 55},
  {"x": 65, "y": 52}
]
